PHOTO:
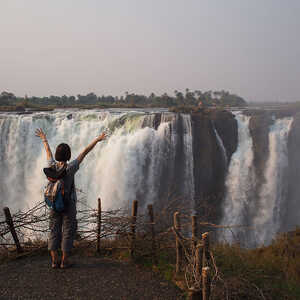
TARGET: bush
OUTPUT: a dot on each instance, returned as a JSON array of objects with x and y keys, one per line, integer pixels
[
  {"x": 272, "y": 271},
  {"x": 183, "y": 109}
]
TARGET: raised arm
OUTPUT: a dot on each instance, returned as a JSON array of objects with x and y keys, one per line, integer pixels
[
  {"x": 39, "y": 132},
  {"x": 82, "y": 155}
]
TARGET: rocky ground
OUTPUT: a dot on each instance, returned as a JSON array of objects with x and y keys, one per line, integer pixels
[{"x": 89, "y": 278}]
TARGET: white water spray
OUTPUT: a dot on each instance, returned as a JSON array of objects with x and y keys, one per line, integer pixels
[
  {"x": 189, "y": 159},
  {"x": 240, "y": 179},
  {"x": 126, "y": 167},
  {"x": 274, "y": 192}
]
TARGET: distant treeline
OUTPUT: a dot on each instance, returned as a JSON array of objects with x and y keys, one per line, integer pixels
[{"x": 190, "y": 98}]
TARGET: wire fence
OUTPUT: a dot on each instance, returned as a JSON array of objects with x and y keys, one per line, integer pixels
[{"x": 33, "y": 225}]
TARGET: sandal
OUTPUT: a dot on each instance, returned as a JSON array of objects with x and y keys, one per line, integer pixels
[{"x": 54, "y": 265}]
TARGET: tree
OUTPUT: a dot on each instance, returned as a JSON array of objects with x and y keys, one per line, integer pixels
[
  {"x": 7, "y": 98},
  {"x": 179, "y": 97},
  {"x": 152, "y": 96},
  {"x": 190, "y": 98}
]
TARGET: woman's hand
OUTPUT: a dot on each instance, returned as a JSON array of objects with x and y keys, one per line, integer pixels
[
  {"x": 101, "y": 137},
  {"x": 90, "y": 147},
  {"x": 40, "y": 133}
]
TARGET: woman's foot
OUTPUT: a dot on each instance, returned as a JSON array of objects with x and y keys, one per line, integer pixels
[
  {"x": 54, "y": 265},
  {"x": 65, "y": 265},
  {"x": 65, "y": 260},
  {"x": 54, "y": 259}
]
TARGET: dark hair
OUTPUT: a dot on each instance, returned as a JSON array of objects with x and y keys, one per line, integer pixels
[{"x": 63, "y": 152}]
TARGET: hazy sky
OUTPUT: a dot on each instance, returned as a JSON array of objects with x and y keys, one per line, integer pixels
[{"x": 249, "y": 47}]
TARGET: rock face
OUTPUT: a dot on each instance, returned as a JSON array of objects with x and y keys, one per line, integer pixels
[
  {"x": 209, "y": 164},
  {"x": 210, "y": 169},
  {"x": 226, "y": 126},
  {"x": 292, "y": 208},
  {"x": 259, "y": 129}
]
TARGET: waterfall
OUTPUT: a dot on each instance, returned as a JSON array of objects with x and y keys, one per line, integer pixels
[
  {"x": 272, "y": 196},
  {"x": 261, "y": 211},
  {"x": 147, "y": 156},
  {"x": 239, "y": 182},
  {"x": 222, "y": 147},
  {"x": 137, "y": 161},
  {"x": 129, "y": 165},
  {"x": 189, "y": 166}
]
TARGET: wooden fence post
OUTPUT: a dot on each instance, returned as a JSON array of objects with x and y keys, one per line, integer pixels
[
  {"x": 194, "y": 294},
  {"x": 11, "y": 227},
  {"x": 133, "y": 226},
  {"x": 98, "y": 226},
  {"x": 194, "y": 231},
  {"x": 153, "y": 245},
  {"x": 179, "y": 257},
  {"x": 206, "y": 255},
  {"x": 198, "y": 260},
  {"x": 205, "y": 283}
]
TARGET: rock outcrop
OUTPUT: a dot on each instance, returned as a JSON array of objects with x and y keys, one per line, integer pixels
[
  {"x": 292, "y": 205},
  {"x": 209, "y": 167},
  {"x": 259, "y": 129}
]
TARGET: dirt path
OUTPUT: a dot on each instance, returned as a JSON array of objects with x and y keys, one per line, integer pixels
[{"x": 90, "y": 278}]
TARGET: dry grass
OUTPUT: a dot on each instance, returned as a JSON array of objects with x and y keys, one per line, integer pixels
[{"x": 271, "y": 272}]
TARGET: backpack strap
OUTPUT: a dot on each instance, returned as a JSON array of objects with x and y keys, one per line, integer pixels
[
  {"x": 67, "y": 195},
  {"x": 54, "y": 174}
]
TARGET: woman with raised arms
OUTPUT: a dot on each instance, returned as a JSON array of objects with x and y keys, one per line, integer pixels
[{"x": 63, "y": 225}]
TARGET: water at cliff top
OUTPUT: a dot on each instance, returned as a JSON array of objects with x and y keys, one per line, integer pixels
[{"x": 129, "y": 165}]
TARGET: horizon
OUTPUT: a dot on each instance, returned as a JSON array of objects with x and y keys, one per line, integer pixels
[
  {"x": 147, "y": 95},
  {"x": 69, "y": 48}
]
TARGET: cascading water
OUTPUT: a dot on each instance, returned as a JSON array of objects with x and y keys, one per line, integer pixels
[
  {"x": 262, "y": 211},
  {"x": 147, "y": 156},
  {"x": 189, "y": 166},
  {"x": 273, "y": 194},
  {"x": 135, "y": 162},
  {"x": 239, "y": 182},
  {"x": 222, "y": 147}
]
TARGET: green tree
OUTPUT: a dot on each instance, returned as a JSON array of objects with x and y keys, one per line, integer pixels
[
  {"x": 179, "y": 97},
  {"x": 7, "y": 98}
]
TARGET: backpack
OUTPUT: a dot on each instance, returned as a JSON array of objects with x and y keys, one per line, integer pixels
[{"x": 54, "y": 193}]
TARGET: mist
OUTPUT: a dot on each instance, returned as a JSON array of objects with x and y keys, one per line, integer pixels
[{"x": 250, "y": 48}]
